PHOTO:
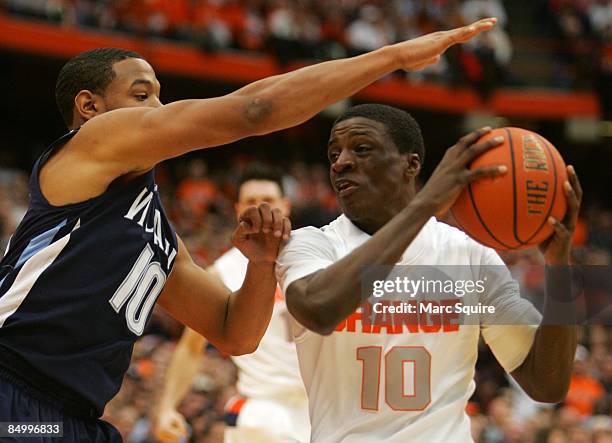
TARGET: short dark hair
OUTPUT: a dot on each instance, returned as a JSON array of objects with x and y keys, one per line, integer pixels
[
  {"x": 402, "y": 127},
  {"x": 91, "y": 70},
  {"x": 261, "y": 171}
]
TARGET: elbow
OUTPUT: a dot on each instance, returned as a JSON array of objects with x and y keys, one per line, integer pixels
[
  {"x": 244, "y": 349},
  {"x": 239, "y": 348},
  {"x": 321, "y": 324},
  {"x": 239, "y": 345},
  {"x": 543, "y": 386},
  {"x": 543, "y": 397},
  {"x": 316, "y": 316},
  {"x": 257, "y": 112},
  {"x": 548, "y": 392}
]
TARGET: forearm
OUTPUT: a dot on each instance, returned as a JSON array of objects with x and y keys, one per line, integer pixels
[
  {"x": 330, "y": 295},
  {"x": 182, "y": 370},
  {"x": 289, "y": 99},
  {"x": 249, "y": 309},
  {"x": 546, "y": 372},
  {"x": 545, "y": 375}
]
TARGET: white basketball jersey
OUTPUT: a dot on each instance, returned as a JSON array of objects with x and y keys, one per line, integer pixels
[
  {"x": 272, "y": 371},
  {"x": 373, "y": 383}
]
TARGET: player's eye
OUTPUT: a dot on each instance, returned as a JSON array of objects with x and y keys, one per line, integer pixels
[
  {"x": 333, "y": 156},
  {"x": 362, "y": 148},
  {"x": 141, "y": 97}
]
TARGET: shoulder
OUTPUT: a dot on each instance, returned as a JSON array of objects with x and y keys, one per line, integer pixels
[
  {"x": 308, "y": 239},
  {"x": 306, "y": 234},
  {"x": 325, "y": 241},
  {"x": 308, "y": 250}
]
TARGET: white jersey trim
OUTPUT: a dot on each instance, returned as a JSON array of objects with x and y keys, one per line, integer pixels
[{"x": 30, "y": 271}]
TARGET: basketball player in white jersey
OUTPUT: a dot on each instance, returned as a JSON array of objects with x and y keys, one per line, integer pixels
[
  {"x": 272, "y": 405},
  {"x": 409, "y": 378}
]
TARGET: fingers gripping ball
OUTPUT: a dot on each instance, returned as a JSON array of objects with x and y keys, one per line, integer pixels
[{"x": 511, "y": 211}]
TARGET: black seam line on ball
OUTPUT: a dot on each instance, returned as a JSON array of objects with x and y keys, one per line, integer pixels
[
  {"x": 554, "y": 199},
  {"x": 514, "y": 213},
  {"x": 482, "y": 222}
]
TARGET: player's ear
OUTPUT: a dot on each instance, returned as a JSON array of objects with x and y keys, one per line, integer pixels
[
  {"x": 412, "y": 165},
  {"x": 286, "y": 204},
  {"x": 87, "y": 105}
]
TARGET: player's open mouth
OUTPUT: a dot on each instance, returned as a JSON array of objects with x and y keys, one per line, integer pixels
[{"x": 345, "y": 187}]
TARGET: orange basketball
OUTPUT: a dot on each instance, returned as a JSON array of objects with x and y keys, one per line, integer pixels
[{"x": 511, "y": 211}]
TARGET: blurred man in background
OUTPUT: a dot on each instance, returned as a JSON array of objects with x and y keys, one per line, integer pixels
[{"x": 272, "y": 406}]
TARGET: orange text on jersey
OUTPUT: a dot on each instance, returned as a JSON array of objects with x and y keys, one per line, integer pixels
[{"x": 397, "y": 323}]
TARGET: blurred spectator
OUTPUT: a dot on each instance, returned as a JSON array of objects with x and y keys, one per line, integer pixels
[
  {"x": 600, "y": 15},
  {"x": 493, "y": 52},
  {"x": 585, "y": 390},
  {"x": 295, "y": 31},
  {"x": 576, "y": 51},
  {"x": 600, "y": 227},
  {"x": 13, "y": 202},
  {"x": 252, "y": 36},
  {"x": 370, "y": 31},
  {"x": 52, "y": 10},
  {"x": 552, "y": 435},
  {"x": 602, "y": 436},
  {"x": 473, "y": 10},
  {"x": 196, "y": 193},
  {"x": 333, "y": 32}
]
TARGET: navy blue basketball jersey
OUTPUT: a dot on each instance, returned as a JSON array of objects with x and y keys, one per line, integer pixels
[{"x": 77, "y": 285}]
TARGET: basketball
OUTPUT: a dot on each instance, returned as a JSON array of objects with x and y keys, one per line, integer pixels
[{"x": 511, "y": 211}]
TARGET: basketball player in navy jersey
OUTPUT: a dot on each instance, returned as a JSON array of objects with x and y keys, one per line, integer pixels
[{"x": 95, "y": 250}]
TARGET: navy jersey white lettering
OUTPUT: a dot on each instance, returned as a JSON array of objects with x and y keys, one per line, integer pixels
[{"x": 78, "y": 283}]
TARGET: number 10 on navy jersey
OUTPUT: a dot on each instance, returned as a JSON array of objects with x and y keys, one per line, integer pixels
[
  {"x": 146, "y": 279},
  {"x": 140, "y": 289}
]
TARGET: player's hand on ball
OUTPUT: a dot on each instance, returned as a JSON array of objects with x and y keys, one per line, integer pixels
[
  {"x": 260, "y": 232},
  {"x": 422, "y": 51},
  {"x": 170, "y": 427},
  {"x": 556, "y": 248},
  {"x": 452, "y": 173}
]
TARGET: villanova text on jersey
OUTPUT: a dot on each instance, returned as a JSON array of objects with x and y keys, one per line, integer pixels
[{"x": 77, "y": 285}]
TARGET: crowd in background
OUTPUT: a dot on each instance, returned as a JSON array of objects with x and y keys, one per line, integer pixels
[
  {"x": 302, "y": 28},
  {"x": 200, "y": 203},
  {"x": 297, "y": 30},
  {"x": 582, "y": 30}
]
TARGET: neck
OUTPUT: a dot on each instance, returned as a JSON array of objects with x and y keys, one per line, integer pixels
[
  {"x": 370, "y": 226},
  {"x": 371, "y": 222}
]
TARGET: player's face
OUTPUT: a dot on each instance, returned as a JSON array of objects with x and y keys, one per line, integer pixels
[
  {"x": 255, "y": 192},
  {"x": 134, "y": 85},
  {"x": 367, "y": 171}
]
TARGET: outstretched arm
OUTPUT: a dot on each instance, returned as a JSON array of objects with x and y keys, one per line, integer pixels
[
  {"x": 132, "y": 140},
  {"x": 322, "y": 299},
  {"x": 545, "y": 374}
]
